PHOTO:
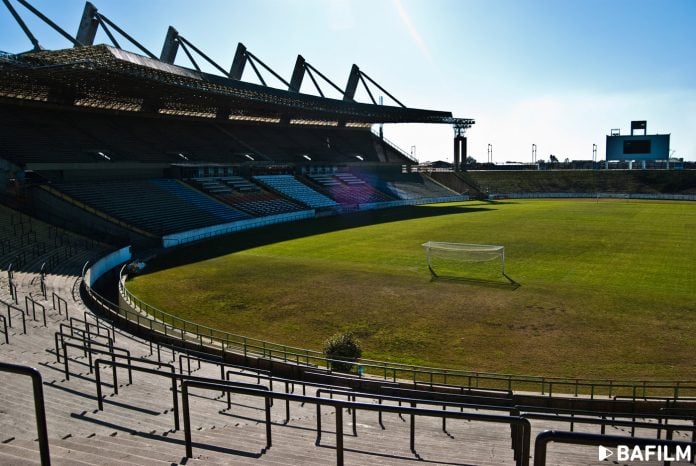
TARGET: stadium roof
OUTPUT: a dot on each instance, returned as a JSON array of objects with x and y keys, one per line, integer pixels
[{"x": 109, "y": 77}]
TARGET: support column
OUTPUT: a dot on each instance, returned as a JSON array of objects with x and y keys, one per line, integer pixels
[
  {"x": 460, "y": 153},
  {"x": 88, "y": 25},
  {"x": 170, "y": 47},
  {"x": 460, "y": 125},
  {"x": 352, "y": 84},
  {"x": 297, "y": 74},
  {"x": 238, "y": 63},
  {"x": 457, "y": 153}
]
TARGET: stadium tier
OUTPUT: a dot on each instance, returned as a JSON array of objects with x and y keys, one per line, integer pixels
[
  {"x": 158, "y": 206},
  {"x": 59, "y": 136},
  {"x": 245, "y": 196},
  {"x": 346, "y": 188},
  {"x": 294, "y": 189}
]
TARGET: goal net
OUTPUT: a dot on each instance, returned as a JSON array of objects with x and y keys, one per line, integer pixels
[{"x": 476, "y": 261}]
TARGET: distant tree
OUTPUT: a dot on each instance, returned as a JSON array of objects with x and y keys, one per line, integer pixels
[
  {"x": 553, "y": 158},
  {"x": 470, "y": 160}
]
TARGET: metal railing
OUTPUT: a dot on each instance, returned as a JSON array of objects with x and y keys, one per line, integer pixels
[
  {"x": 396, "y": 148},
  {"x": 516, "y": 416},
  {"x": 413, "y": 401},
  {"x": 577, "y": 438},
  {"x": 152, "y": 317},
  {"x": 39, "y": 408},
  {"x": 34, "y": 305},
  {"x": 4, "y": 329},
  {"x": 519, "y": 425},
  {"x": 603, "y": 419},
  {"x": 12, "y": 307},
  {"x": 59, "y": 304}
]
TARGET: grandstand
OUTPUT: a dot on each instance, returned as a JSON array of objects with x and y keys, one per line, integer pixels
[{"x": 107, "y": 155}]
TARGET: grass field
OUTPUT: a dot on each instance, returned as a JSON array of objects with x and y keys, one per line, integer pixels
[{"x": 607, "y": 289}]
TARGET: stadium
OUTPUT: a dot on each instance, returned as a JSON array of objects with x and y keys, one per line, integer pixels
[{"x": 178, "y": 247}]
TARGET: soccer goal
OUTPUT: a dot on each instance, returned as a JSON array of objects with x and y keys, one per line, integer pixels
[{"x": 475, "y": 261}]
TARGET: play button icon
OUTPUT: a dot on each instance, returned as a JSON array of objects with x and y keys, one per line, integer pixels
[{"x": 604, "y": 453}]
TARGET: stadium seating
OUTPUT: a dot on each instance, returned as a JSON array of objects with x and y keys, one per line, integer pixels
[
  {"x": 69, "y": 136},
  {"x": 294, "y": 189},
  {"x": 245, "y": 196},
  {"x": 346, "y": 188},
  {"x": 407, "y": 185},
  {"x": 261, "y": 204},
  {"x": 159, "y": 206}
]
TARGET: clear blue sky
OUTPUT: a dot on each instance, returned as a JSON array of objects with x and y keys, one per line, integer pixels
[{"x": 560, "y": 74}]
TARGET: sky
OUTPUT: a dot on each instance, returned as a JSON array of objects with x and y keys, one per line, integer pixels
[{"x": 560, "y": 74}]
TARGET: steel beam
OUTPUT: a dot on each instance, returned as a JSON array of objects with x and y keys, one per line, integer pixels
[
  {"x": 240, "y": 59},
  {"x": 297, "y": 75},
  {"x": 352, "y": 85},
  {"x": 171, "y": 46},
  {"x": 88, "y": 25}
]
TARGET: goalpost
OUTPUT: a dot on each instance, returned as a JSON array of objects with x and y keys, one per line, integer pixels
[{"x": 455, "y": 258}]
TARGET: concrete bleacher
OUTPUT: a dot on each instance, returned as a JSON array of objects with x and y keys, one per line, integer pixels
[
  {"x": 27, "y": 244},
  {"x": 289, "y": 186},
  {"x": 583, "y": 181},
  {"x": 346, "y": 188},
  {"x": 160, "y": 206},
  {"x": 240, "y": 184},
  {"x": 408, "y": 185},
  {"x": 262, "y": 204},
  {"x": 245, "y": 196},
  {"x": 136, "y": 425}
]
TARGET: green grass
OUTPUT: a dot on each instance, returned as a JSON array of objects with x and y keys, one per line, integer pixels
[{"x": 607, "y": 288}]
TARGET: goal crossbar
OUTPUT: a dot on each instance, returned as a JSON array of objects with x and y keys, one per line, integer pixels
[{"x": 464, "y": 252}]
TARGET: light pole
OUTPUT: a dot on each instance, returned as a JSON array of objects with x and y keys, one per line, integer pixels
[
  {"x": 594, "y": 153},
  {"x": 490, "y": 153},
  {"x": 534, "y": 154}
]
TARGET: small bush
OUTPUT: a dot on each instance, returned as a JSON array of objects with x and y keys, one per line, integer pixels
[{"x": 342, "y": 347}]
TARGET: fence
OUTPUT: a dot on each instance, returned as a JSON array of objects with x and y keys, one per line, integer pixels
[
  {"x": 596, "y": 195},
  {"x": 405, "y": 202}
]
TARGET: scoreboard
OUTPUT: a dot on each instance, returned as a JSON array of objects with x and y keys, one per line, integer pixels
[{"x": 638, "y": 147}]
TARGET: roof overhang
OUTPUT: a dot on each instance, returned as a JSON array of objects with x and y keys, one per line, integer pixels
[{"x": 108, "y": 77}]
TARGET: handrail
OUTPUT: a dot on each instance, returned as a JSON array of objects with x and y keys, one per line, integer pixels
[
  {"x": 27, "y": 300},
  {"x": 413, "y": 402},
  {"x": 62, "y": 304},
  {"x": 111, "y": 352},
  {"x": 4, "y": 329},
  {"x": 521, "y": 456},
  {"x": 396, "y": 148},
  {"x": 217, "y": 386},
  {"x": 577, "y": 438},
  {"x": 39, "y": 408},
  {"x": 9, "y": 315},
  {"x": 114, "y": 364},
  {"x": 393, "y": 370},
  {"x": 172, "y": 375},
  {"x": 603, "y": 422}
]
